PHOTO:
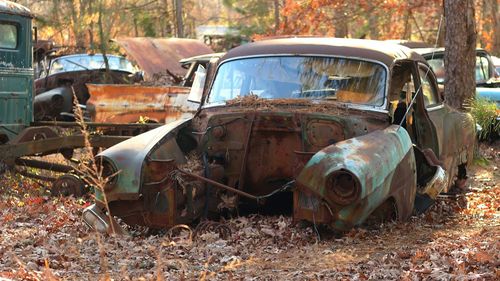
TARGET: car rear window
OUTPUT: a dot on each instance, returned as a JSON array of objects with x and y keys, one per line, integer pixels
[{"x": 8, "y": 36}]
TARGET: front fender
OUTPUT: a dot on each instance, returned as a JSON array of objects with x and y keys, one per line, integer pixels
[
  {"x": 383, "y": 162},
  {"x": 371, "y": 158},
  {"x": 129, "y": 156}
]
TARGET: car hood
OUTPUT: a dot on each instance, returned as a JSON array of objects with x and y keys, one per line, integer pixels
[{"x": 155, "y": 55}]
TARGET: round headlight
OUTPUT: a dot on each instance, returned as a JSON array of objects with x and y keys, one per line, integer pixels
[
  {"x": 342, "y": 187},
  {"x": 108, "y": 172}
]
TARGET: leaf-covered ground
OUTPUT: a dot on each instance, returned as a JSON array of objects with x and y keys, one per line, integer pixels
[{"x": 44, "y": 238}]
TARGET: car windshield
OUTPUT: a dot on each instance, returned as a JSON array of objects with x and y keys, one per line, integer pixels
[
  {"x": 482, "y": 72},
  {"x": 90, "y": 62},
  {"x": 300, "y": 77}
]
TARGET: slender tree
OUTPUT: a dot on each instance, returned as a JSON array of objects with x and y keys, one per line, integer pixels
[
  {"x": 178, "y": 18},
  {"x": 459, "y": 57}
]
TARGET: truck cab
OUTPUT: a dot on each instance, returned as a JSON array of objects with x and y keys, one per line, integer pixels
[{"x": 16, "y": 69}]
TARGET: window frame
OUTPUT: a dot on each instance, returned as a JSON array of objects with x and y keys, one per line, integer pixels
[
  {"x": 17, "y": 28},
  {"x": 433, "y": 83},
  {"x": 387, "y": 74}
]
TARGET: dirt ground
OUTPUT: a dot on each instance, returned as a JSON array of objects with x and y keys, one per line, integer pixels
[{"x": 44, "y": 238}]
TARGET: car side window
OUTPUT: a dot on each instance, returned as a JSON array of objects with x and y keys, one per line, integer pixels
[
  {"x": 431, "y": 96},
  {"x": 482, "y": 69},
  {"x": 8, "y": 36}
]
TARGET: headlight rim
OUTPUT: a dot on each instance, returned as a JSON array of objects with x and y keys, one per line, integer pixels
[
  {"x": 110, "y": 173},
  {"x": 337, "y": 190}
]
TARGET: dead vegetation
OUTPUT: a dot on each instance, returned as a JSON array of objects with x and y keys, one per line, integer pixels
[
  {"x": 44, "y": 238},
  {"x": 255, "y": 103},
  {"x": 164, "y": 78}
]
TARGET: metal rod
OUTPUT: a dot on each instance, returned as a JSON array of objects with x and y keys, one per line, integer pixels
[
  {"x": 95, "y": 124},
  {"x": 241, "y": 181},
  {"x": 35, "y": 176},
  {"x": 220, "y": 185},
  {"x": 44, "y": 165}
]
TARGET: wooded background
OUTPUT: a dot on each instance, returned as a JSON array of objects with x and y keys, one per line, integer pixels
[{"x": 76, "y": 22}]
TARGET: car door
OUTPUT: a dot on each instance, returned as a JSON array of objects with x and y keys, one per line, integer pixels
[
  {"x": 425, "y": 129},
  {"x": 433, "y": 104},
  {"x": 454, "y": 129}
]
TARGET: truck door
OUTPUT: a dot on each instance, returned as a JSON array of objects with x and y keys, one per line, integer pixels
[{"x": 16, "y": 73}]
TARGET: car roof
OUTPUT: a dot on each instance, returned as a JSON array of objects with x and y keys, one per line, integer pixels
[
  {"x": 8, "y": 7},
  {"x": 384, "y": 52}
]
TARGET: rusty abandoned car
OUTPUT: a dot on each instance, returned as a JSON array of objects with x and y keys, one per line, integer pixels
[
  {"x": 339, "y": 131},
  {"x": 64, "y": 76}
]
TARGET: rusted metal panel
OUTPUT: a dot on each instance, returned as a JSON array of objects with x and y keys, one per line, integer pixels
[
  {"x": 155, "y": 55},
  {"x": 16, "y": 71},
  {"x": 390, "y": 146},
  {"x": 132, "y": 154},
  {"x": 128, "y": 103}
]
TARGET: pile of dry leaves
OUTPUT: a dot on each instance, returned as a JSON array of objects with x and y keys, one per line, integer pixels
[{"x": 44, "y": 238}]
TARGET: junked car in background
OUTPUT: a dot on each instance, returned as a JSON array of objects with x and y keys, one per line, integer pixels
[
  {"x": 154, "y": 104},
  {"x": 192, "y": 64},
  {"x": 67, "y": 75},
  {"x": 341, "y": 131},
  {"x": 157, "y": 61},
  {"x": 487, "y": 78}
]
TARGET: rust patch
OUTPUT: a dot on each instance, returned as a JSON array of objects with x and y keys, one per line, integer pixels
[
  {"x": 154, "y": 55},
  {"x": 128, "y": 103}
]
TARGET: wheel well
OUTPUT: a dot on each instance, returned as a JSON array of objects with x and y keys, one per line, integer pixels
[
  {"x": 462, "y": 171},
  {"x": 3, "y": 138},
  {"x": 387, "y": 211},
  {"x": 425, "y": 170}
]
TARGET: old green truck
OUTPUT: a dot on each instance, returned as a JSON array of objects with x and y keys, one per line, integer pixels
[
  {"x": 20, "y": 137},
  {"x": 16, "y": 70}
]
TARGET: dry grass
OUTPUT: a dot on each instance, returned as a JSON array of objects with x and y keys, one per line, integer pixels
[{"x": 44, "y": 238}]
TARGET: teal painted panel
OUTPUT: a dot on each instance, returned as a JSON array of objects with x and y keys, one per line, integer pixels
[
  {"x": 12, "y": 86},
  {"x": 22, "y": 55},
  {"x": 16, "y": 78}
]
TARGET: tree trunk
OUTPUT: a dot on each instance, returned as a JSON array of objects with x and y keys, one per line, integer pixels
[
  {"x": 373, "y": 21},
  {"x": 103, "y": 46},
  {"x": 178, "y": 18},
  {"x": 459, "y": 56},
  {"x": 340, "y": 22},
  {"x": 496, "y": 28},
  {"x": 276, "y": 16},
  {"x": 407, "y": 26},
  {"x": 166, "y": 20}
]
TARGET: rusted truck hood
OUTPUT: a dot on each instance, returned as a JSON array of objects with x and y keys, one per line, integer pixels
[
  {"x": 155, "y": 55},
  {"x": 128, "y": 103}
]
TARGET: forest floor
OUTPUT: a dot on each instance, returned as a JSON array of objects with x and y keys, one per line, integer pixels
[{"x": 44, "y": 238}]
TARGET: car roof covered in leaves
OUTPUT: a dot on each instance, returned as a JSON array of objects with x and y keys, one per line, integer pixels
[{"x": 384, "y": 52}]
